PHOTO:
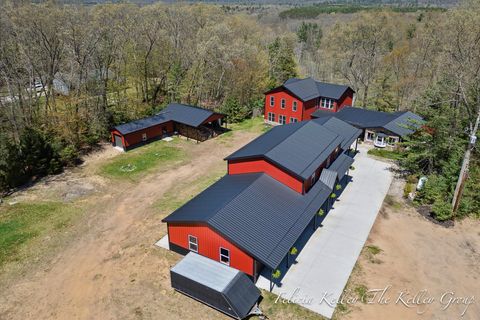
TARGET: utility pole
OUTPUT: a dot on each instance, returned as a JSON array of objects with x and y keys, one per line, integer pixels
[{"x": 465, "y": 164}]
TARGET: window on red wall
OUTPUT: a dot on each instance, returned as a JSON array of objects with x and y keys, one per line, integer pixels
[
  {"x": 271, "y": 116},
  {"x": 283, "y": 103},
  {"x": 272, "y": 101},
  {"x": 192, "y": 243},
  {"x": 326, "y": 103},
  {"x": 225, "y": 256},
  {"x": 294, "y": 106},
  {"x": 282, "y": 119},
  {"x": 293, "y": 120}
]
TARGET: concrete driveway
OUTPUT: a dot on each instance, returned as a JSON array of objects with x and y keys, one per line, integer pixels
[{"x": 324, "y": 265}]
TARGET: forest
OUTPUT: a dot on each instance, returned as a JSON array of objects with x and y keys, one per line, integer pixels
[{"x": 68, "y": 73}]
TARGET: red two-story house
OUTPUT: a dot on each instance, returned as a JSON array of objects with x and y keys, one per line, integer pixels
[
  {"x": 275, "y": 185},
  {"x": 297, "y": 99}
]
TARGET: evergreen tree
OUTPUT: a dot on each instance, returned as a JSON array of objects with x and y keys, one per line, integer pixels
[{"x": 281, "y": 60}]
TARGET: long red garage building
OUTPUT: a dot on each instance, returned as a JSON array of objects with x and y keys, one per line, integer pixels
[
  {"x": 190, "y": 121},
  {"x": 254, "y": 215},
  {"x": 297, "y": 99}
]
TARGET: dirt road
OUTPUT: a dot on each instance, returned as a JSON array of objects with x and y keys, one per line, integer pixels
[{"x": 111, "y": 269}]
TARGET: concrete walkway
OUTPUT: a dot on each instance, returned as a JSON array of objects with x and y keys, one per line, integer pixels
[{"x": 325, "y": 263}]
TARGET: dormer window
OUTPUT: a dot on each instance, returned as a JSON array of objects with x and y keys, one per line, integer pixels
[{"x": 326, "y": 103}]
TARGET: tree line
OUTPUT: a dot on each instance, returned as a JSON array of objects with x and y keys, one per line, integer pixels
[{"x": 69, "y": 73}]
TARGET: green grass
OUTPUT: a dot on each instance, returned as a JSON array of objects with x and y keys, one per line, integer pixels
[
  {"x": 21, "y": 223},
  {"x": 134, "y": 163},
  {"x": 390, "y": 201},
  {"x": 274, "y": 309},
  {"x": 253, "y": 125},
  {"x": 384, "y": 153},
  {"x": 373, "y": 249}
]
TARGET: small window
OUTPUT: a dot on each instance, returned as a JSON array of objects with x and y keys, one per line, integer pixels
[
  {"x": 272, "y": 101},
  {"x": 192, "y": 243},
  {"x": 224, "y": 256},
  {"x": 283, "y": 103},
  {"x": 294, "y": 106},
  {"x": 144, "y": 137},
  {"x": 391, "y": 141},
  {"x": 293, "y": 120},
  {"x": 282, "y": 119},
  {"x": 326, "y": 103},
  {"x": 271, "y": 117},
  {"x": 313, "y": 178}
]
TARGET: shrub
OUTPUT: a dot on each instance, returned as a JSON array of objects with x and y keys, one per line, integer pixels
[
  {"x": 442, "y": 210},
  {"x": 338, "y": 187},
  {"x": 333, "y": 196},
  {"x": 276, "y": 274},
  {"x": 321, "y": 212},
  {"x": 293, "y": 251},
  {"x": 408, "y": 189}
]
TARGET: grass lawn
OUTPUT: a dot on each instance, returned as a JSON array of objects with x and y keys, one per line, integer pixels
[
  {"x": 21, "y": 223},
  {"x": 384, "y": 153},
  {"x": 280, "y": 309},
  {"x": 135, "y": 163}
]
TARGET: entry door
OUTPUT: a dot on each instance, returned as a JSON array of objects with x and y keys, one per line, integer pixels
[{"x": 118, "y": 141}]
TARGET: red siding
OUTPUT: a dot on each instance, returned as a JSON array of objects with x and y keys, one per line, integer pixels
[
  {"x": 260, "y": 165},
  {"x": 345, "y": 100},
  {"x": 277, "y": 110},
  {"x": 304, "y": 109},
  {"x": 134, "y": 138},
  {"x": 209, "y": 243}
]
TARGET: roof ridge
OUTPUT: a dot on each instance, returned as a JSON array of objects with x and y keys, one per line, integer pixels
[
  {"x": 258, "y": 174},
  {"x": 281, "y": 141},
  {"x": 336, "y": 136}
]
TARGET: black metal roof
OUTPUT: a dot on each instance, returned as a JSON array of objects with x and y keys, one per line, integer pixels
[
  {"x": 256, "y": 212},
  {"x": 328, "y": 177},
  {"x": 308, "y": 88},
  {"x": 347, "y": 131},
  {"x": 398, "y": 123},
  {"x": 300, "y": 148},
  {"x": 341, "y": 165},
  {"x": 181, "y": 113},
  {"x": 142, "y": 123}
]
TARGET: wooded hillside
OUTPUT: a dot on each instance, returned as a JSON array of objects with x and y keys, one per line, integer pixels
[{"x": 69, "y": 73}]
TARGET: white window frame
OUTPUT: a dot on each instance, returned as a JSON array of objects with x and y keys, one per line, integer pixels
[
  {"x": 293, "y": 120},
  {"x": 326, "y": 103},
  {"x": 280, "y": 117},
  {"x": 391, "y": 141},
  {"x": 190, "y": 243},
  {"x": 272, "y": 101},
  {"x": 144, "y": 136},
  {"x": 283, "y": 103},
  {"x": 224, "y": 256},
  {"x": 271, "y": 117},
  {"x": 294, "y": 106}
]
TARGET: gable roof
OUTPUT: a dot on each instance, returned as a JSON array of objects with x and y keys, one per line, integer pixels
[
  {"x": 256, "y": 212},
  {"x": 299, "y": 148},
  {"x": 232, "y": 286},
  {"x": 347, "y": 131},
  {"x": 308, "y": 88},
  {"x": 399, "y": 123},
  {"x": 181, "y": 113}
]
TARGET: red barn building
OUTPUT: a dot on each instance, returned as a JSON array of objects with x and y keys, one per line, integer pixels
[
  {"x": 254, "y": 215},
  {"x": 190, "y": 121},
  {"x": 297, "y": 99}
]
